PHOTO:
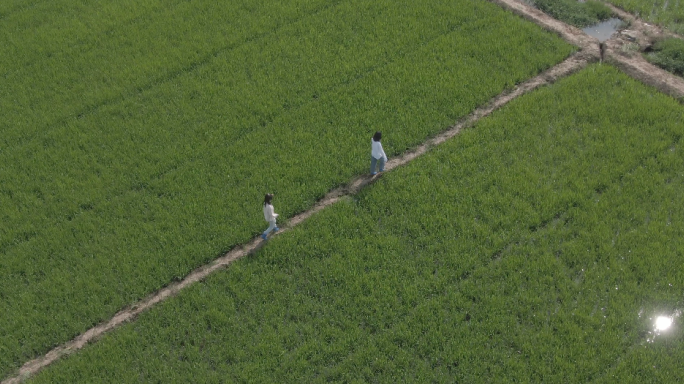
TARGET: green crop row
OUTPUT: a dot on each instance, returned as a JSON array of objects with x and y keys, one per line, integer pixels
[
  {"x": 103, "y": 208},
  {"x": 61, "y": 59},
  {"x": 669, "y": 14},
  {"x": 535, "y": 247}
]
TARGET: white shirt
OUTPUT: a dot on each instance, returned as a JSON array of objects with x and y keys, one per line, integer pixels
[
  {"x": 269, "y": 215},
  {"x": 377, "y": 151}
]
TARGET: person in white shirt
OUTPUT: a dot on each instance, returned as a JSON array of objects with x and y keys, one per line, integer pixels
[
  {"x": 377, "y": 154},
  {"x": 269, "y": 215}
]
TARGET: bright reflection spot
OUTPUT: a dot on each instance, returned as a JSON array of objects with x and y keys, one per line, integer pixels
[{"x": 662, "y": 323}]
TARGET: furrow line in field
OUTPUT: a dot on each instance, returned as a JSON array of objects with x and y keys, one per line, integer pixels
[
  {"x": 140, "y": 89},
  {"x": 562, "y": 216},
  {"x": 135, "y": 90},
  {"x": 488, "y": 262},
  {"x": 636, "y": 342},
  {"x": 616, "y": 52},
  {"x": 572, "y": 64},
  {"x": 358, "y": 77}
]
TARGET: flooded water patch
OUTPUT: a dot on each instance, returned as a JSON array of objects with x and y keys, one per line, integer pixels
[{"x": 603, "y": 30}]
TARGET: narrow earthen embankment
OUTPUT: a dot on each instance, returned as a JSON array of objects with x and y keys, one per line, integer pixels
[
  {"x": 570, "y": 65},
  {"x": 590, "y": 46},
  {"x": 624, "y": 51}
]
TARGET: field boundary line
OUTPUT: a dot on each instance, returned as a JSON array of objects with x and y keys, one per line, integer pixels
[
  {"x": 190, "y": 160},
  {"x": 640, "y": 69},
  {"x": 615, "y": 50},
  {"x": 137, "y": 90},
  {"x": 569, "y": 33},
  {"x": 154, "y": 81},
  {"x": 570, "y": 65},
  {"x": 653, "y": 30}
]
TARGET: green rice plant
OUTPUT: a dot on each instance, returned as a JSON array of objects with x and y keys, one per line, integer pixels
[
  {"x": 669, "y": 14},
  {"x": 599, "y": 10},
  {"x": 669, "y": 55},
  {"x": 63, "y": 59},
  {"x": 579, "y": 14},
  {"x": 531, "y": 247},
  {"x": 159, "y": 175}
]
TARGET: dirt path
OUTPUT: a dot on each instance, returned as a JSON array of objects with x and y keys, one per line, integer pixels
[
  {"x": 570, "y": 65},
  {"x": 591, "y": 50},
  {"x": 624, "y": 51},
  {"x": 573, "y": 35}
]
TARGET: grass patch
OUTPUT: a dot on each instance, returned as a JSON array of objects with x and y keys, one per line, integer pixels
[
  {"x": 669, "y": 55},
  {"x": 579, "y": 14},
  {"x": 669, "y": 14},
  {"x": 118, "y": 190},
  {"x": 523, "y": 250}
]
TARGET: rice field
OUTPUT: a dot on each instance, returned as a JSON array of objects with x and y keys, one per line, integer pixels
[
  {"x": 138, "y": 138},
  {"x": 539, "y": 245}
]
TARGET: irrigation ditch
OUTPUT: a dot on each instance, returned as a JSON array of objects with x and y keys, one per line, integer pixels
[{"x": 622, "y": 50}]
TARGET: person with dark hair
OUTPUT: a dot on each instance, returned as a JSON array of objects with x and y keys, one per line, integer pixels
[
  {"x": 377, "y": 154},
  {"x": 269, "y": 215}
]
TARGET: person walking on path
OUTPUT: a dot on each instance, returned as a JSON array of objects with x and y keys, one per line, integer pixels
[
  {"x": 377, "y": 154},
  {"x": 269, "y": 215}
]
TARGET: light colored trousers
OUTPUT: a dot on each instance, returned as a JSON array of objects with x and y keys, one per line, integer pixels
[
  {"x": 271, "y": 226},
  {"x": 381, "y": 165}
]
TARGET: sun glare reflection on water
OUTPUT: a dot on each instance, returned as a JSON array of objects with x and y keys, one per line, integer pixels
[{"x": 661, "y": 325}]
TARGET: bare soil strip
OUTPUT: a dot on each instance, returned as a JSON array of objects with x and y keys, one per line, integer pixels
[
  {"x": 637, "y": 67},
  {"x": 569, "y": 33},
  {"x": 614, "y": 50},
  {"x": 650, "y": 32},
  {"x": 572, "y": 64},
  {"x": 624, "y": 51}
]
